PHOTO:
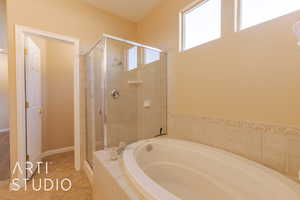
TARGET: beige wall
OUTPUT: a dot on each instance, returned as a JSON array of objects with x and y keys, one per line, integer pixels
[
  {"x": 252, "y": 74},
  {"x": 3, "y": 70},
  {"x": 68, "y": 17},
  {"x": 4, "y": 115},
  {"x": 3, "y": 31},
  {"x": 58, "y": 96}
]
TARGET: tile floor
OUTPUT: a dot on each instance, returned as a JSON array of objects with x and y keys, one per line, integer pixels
[
  {"x": 60, "y": 166},
  {"x": 4, "y": 156}
]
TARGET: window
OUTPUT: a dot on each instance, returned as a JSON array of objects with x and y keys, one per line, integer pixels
[
  {"x": 151, "y": 56},
  {"x": 253, "y": 12},
  {"x": 132, "y": 62},
  {"x": 201, "y": 23}
]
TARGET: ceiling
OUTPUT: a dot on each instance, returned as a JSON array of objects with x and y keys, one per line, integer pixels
[{"x": 133, "y": 10}]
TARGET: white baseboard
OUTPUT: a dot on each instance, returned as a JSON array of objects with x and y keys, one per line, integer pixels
[
  {"x": 88, "y": 171},
  {"x": 57, "y": 151},
  {"x": 4, "y": 130}
]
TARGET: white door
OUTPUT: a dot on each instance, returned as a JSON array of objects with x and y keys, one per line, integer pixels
[{"x": 33, "y": 78}]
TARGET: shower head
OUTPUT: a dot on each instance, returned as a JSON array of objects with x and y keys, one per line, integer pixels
[{"x": 297, "y": 32}]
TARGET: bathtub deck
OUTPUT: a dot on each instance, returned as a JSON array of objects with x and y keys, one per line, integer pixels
[{"x": 115, "y": 171}]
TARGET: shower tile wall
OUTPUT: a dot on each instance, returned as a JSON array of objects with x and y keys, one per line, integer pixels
[
  {"x": 153, "y": 90},
  {"x": 128, "y": 119},
  {"x": 122, "y": 113},
  {"x": 277, "y": 147}
]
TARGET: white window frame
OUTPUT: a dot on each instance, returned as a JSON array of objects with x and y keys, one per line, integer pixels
[
  {"x": 195, "y": 4},
  {"x": 145, "y": 55},
  {"x": 127, "y": 58},
  {"x": 238, "y": 17}
]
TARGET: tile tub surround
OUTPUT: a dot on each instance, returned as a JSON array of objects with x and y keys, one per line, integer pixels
[
  {"x": 274, "y": 146},
  {"x": 4, "y": 156},
  {"x": 111, "y": 180}
]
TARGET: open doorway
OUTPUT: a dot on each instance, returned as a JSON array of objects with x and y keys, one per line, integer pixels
[
  {"x": 49, "y": 105},
  {"x": 49, "y": 77}
]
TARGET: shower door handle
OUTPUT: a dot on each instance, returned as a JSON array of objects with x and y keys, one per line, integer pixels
[{"x": 115, "y": 94}]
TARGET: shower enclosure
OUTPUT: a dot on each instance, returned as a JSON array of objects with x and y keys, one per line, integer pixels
[{"x": 126, "y": 94}]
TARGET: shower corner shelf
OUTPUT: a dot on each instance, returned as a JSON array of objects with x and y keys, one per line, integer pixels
[{"x": 135, "y": 82}]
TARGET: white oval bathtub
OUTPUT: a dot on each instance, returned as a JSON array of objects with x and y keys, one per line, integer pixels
[{"x": 167, "y": 169}]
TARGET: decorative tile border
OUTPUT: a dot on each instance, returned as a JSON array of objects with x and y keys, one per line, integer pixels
[{"x": 247, "y": 124}]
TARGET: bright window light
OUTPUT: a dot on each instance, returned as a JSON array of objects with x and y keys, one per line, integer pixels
[
  {"x": 253, "y": 12},
  {"x": 132, "y": 62},
  {"x": 201, "y": 23},
  {"x": 151, "y": 56}
]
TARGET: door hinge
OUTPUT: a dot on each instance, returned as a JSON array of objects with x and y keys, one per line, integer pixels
[
  {"x": 27, "y": 157},
  {"x": 25, "y": 52},
  {"x": 26, "y": 104}
]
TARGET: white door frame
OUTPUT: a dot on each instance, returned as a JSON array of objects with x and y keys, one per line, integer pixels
[{"x": 20, "y": 32}]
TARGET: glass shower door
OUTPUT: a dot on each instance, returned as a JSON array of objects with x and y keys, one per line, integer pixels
[{"x": 94, "y": 100}]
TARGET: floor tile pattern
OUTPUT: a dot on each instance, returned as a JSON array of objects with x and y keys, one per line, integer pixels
[{"x": 60, "y": 166}]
